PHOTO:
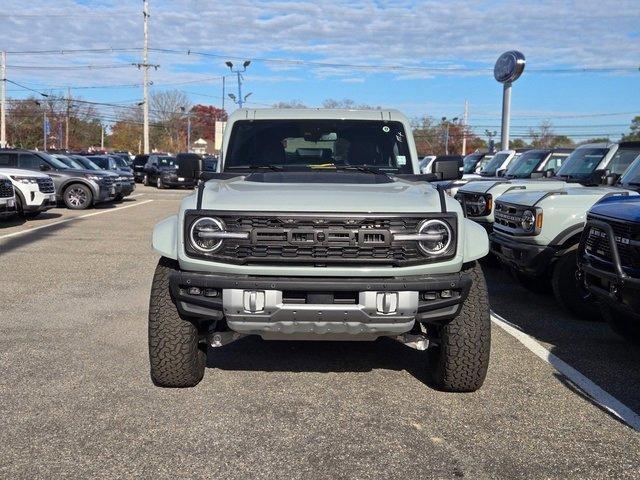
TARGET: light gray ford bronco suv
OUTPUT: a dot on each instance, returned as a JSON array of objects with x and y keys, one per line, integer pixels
[{"x": 318, "y": 226}]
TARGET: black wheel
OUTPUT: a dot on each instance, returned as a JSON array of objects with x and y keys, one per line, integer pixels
[
  {"x": 459, "y": 358},
  {"x": 569, "y": 292},
  {"x": 159, "y": 183},
  {"x": 533, "y": 284},
  {"x": 145, "y": 180},
  {"x": 77, "y": 196},
  {"x": 176, "y": 354},
  {"x": 625, "y": 325}
]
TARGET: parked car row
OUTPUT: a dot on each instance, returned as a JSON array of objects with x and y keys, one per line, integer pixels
[
  {"x": 40, "y": 181},
  {"x": 168, "y": 171},
  {"x": 573, "y": 230}
]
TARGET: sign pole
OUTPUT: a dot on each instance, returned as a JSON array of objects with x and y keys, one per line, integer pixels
[{"x": 506, "y": 114}]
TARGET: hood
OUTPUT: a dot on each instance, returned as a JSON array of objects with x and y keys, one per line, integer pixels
[
  {"x": 531, "y": 198},
  {"x": 24, "y": 173},
  {"x": 79, "y": 172},
  {"x": 397, "y": 196},
  {"x": 480, "y": 186},
  {"x": 620, "y": 208}
]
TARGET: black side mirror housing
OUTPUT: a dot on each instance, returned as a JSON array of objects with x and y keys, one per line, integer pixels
[
  {"x": 448, "y": 167},
  {"x": 550, "y": 173},
  {"x": 611, "y": 179},
  {"x": 44, "y": 167},
  {"x": 598, "y": 177}
]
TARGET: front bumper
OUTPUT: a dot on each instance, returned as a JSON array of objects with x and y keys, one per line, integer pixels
[
  {"x": 125, "y": 189},
  {"x": 178, "y": 182},
  {"x": 610, "y": 281},
  {"x": 39, "y": 202},
  {"x": 7, "y": 207},
  {"x": 285, "y": 306},
  {"x": 528, "y": 258},
  {"x": 105, "y": 193}
]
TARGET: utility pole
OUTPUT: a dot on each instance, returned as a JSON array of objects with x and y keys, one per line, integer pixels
[
  {"x": 66, "y": 130},
  {"x": 3, "y": 101},
  {"x": 45, "y": 128},
  {"x": 447, "y": 124},
  {"x": 240, "y": 99},
  {"x": 224, "y": 81},
  {"x": 465, "y": 119},
  {"x": 102, "y": 137},
  {"x": 145, "y": 66}
]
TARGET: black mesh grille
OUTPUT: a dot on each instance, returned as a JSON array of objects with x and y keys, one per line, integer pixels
[
  {"x": 320, "y": 240},
  {"x": 6, "y": 189},
  {"x": 597, "y": 243},
  {"x": 45, "y": 184}
]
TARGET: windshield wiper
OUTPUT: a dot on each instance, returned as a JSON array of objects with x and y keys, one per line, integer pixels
[
  {"x": 357, "y": 168},
  {"x": 275, "y": 168}
]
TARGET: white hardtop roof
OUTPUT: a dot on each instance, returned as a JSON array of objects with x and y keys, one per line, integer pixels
[{"x": 316, "y": 114}]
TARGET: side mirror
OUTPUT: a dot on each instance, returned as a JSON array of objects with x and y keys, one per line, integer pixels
[
  {"x": 447, "y": 168},
  {"x": 500, "y": 173},
  {"x": 611, "y": 179},
  {"x": 550, "y": 173},
  {"x": 44, "y": 167},
  {"x": 598, "y": 177}
]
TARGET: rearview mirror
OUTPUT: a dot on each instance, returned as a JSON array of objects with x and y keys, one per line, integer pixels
[{"x": 448, "y": 167}]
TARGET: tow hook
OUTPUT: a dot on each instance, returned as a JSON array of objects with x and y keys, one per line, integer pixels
[
  {"x": 220, "y": 339},
  {"x": 417, "y": 342}
]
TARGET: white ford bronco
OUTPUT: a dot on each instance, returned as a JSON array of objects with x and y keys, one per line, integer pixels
[{"x": 318, "y": 225}]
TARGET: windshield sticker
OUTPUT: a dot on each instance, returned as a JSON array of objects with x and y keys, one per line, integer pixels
[{"x": 401, "y": 160}]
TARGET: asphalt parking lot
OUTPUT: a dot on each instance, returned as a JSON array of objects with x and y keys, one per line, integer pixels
[{"x": 77, "y": 401}]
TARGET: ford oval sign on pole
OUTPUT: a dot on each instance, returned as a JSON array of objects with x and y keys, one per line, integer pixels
[{"x": 508, "y": 69}]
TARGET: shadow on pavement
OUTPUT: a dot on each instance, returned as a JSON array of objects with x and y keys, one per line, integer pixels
[
  {"x": 254, "y": 354},
  {"x": 590, "y": 347},
  {"x": 30, "y": 237}
]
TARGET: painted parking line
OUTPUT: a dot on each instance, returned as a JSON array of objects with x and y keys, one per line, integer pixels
[
  {"x": 136, "y": 195},
  {"x": 92, "y": 214},
  {"x": 597, "y": 394}
]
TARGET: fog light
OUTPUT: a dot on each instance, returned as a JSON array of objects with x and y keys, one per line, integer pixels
[
  {"x": 211, "y": 292},
  {"x": 429, "y": 295},
  {"x": 194, "y": 291},
  {"x": 446, "y": 294}
]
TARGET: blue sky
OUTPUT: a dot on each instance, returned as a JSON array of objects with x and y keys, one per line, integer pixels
[{"x": 559, "y": 38}]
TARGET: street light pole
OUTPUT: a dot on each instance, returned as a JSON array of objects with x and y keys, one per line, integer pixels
[
  {"x": 3, "y": 100},
  {"x": 240, "y": 100}
]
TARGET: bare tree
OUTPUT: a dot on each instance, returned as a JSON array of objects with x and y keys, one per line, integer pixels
[
  {"x": 168, "y": 111},
  {"x": 290, "y": 104}
]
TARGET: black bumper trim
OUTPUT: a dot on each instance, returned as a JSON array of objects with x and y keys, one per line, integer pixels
[
  {"x": 528, "y": 258},
  {"x": 433, "y": 310}
]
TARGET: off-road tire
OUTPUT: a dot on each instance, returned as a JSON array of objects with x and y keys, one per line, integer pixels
[
  {"x": 569, "y": 293},
  {"x": 460, "y": 359},
  {"x": 623, "y": 324},
  {"x": 177, "y": 357},
  {"x": 79, "y": 191}
]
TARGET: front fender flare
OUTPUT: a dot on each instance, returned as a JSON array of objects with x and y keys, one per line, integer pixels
[
  {"x": 476, "y": 241},
  {"x": 165, "y": 237}
]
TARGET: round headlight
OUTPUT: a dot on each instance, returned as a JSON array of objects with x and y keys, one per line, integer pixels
[
  {"x": 202, "y": 234},
  {"x": 440, "y": 237},
  {"x": 481, "y": 204},
  {"x": 528, "y": 222}
]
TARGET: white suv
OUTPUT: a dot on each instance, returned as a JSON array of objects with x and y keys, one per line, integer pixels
[
  {"x": 7, "y": 198},
  {"x": 35, "y": 192}
]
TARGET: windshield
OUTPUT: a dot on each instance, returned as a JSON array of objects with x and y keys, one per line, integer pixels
[
  {"x": 315, "y": 144},
  {"x": 632, "y": 175},
  {"x": 496, "y": 162},
  {"x": 69, "y": 162},
  {"x": 528, "y": 162},
  {"x": 88, "y": 164},
  {"x": 622, "y": 159},
  {"x": 471, "y": 161},
  {"x": 120, "y": 162},
  {"x": 582, "y": 162},
  {"x": 102, "y": 162},
  {"x": 167, "y": 161},
  {"x": 53, "y": 161}
]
